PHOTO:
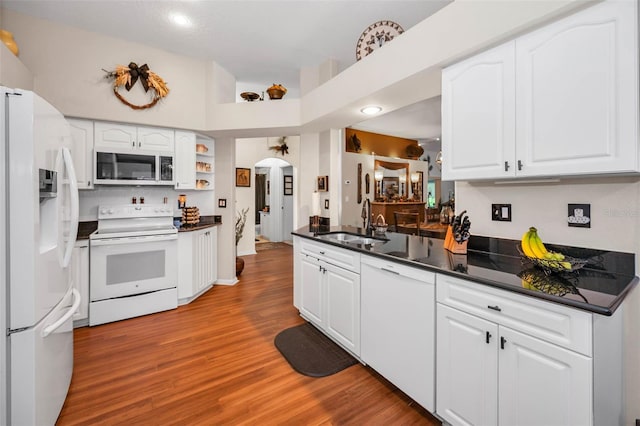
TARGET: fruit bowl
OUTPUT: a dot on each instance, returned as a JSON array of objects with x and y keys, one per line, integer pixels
[{"x": 567, "y": 264}]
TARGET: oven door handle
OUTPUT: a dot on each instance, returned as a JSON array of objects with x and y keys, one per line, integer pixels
[{"x": 133, "y": 240}]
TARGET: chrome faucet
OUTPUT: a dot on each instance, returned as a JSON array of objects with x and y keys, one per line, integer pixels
[{"x": 366, "y": 217}]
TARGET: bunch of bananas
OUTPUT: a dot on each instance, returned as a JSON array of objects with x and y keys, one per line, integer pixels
[{"x": 533, "y": 247}]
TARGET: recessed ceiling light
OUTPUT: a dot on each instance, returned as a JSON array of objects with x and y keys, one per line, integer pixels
[
  {"x": 180, "y": 20},
  {"x": 371, "y": 110}
]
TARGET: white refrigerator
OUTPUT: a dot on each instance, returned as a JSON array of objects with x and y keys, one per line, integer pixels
[{"x": 39, "y": 217}]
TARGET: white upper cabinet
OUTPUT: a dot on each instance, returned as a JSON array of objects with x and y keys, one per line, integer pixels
[
  {"x": 577, "y": 86},
  {"x": 155, "y": 139},
  {"x": 115, "y": 136},
  {"x": 82, "y": 151},
  {"x": 562, "y": 100},
  {"x": 185, "y": 157},
  {"x": 127, "y": 137},
  {"x": 478, "y": 116}
]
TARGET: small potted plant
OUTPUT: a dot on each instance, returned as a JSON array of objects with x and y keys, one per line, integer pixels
[{"x": 241, "y": 220}]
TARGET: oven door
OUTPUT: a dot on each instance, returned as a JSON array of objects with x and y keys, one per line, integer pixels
[{"x": 132, "y": 265}]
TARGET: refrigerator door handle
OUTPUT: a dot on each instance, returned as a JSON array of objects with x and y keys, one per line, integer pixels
[
  {"x": 75, "y": 202},
  {"x": 72, "y": 310}
]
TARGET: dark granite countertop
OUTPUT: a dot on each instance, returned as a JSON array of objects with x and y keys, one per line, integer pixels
[
  {"x": 599, "y": 287},
  {"x": 86, "y": 228},
  {"x": 205, "y": 222}
]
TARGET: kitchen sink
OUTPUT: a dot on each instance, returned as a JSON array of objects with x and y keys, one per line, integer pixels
[
  {"x": 345, "y": 237},
  {"x": 342, "y": 237}
]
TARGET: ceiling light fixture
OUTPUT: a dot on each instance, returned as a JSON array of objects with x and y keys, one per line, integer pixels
[
  {"x": 180, "y": 20},
  {"x": 371, "y": 110}
]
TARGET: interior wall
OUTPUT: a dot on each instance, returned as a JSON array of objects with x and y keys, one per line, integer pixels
[
  {"x": 225, "y": 149},
  {"x": 90, "y": 200},
  {"x": 68, "y": 67},
  {"x": 304, "y": 182},
  {"x": 248, "y": 152},
  {"x": 614, "y": 210},
  {"x": 13, "y": 73},
  {"x": 287, "y": 204}
]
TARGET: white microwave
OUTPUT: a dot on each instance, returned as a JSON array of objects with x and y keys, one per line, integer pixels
[{"x": 133, "y": 168}]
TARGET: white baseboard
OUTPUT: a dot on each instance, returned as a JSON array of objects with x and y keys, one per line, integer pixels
[
  {"x": 233, "y": 281},
  {"x": 247, "y": 253}
]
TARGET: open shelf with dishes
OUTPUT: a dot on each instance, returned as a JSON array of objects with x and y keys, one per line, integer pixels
[{"x": 205, "y": 156}]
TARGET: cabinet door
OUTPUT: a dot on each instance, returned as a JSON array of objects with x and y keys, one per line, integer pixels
[
  {"x": 115, "y": 136},
  {"x": 155, "y": 139},
  {"x": 311, "y": 291},
  {"x": 185, "y": 160},
  {"x": 478, "y": 117},
  {"x": 80, "y": 278},
  {"x": 467, "y": 374},
  {"x": 542, "y": 384},
  {"x": 204, "y": 260},
  {"x": 343, "y": 306},
  {"x": 82, "y": 151},
  {"x": 577, "y": 93}
]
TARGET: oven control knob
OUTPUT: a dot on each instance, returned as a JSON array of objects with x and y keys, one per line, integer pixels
[
  {"x": 103, "y": 211},
  {"x": 110, "y": 211}
]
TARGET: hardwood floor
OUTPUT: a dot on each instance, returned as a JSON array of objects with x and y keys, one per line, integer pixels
[{"x": 213, "y": 362}]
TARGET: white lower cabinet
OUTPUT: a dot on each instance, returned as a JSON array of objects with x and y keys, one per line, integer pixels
[
  {"x": 80, "y": 279},
  {"x": 197, "y": 263},
  {"x": 495, "y": 368},
  {"x": 471, "y": 353},
  {"x": 398, "y": 326},
  {"x": 328, "y": 295},
  {"x": 467, "y": 374}
]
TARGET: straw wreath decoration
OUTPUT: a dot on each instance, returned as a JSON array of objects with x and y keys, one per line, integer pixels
[{"x": 127, "y": 76}]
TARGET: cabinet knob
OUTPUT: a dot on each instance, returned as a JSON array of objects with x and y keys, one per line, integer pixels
[
  {"x": 487, "y": 337},
  {"x": 519, "y": 165},
  {"x": 506, "y": 166},
  {"x": 495, "y": 308}
]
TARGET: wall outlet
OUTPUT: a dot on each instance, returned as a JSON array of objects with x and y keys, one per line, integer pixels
[
  {"x": 579, "y": 215},
  {"x": 501, "y": 212}
]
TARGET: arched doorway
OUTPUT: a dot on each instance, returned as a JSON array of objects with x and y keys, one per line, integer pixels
[{"x": 273, "y": 200}]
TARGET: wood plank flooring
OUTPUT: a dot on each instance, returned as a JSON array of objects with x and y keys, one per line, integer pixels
[{"x": 213, "y": 362}]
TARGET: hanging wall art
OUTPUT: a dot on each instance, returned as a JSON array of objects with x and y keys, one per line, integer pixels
[{"x": 127, "y": 76}]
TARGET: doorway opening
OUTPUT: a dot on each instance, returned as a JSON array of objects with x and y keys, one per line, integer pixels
[{"x": 273, "y": 201}]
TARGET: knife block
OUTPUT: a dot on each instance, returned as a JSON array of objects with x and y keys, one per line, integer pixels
[{"x": 452, "y": 245}]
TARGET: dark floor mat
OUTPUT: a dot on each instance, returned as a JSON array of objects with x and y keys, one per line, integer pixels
[{"x": 312, "y": 353}]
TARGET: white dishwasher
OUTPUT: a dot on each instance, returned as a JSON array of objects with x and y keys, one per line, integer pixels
[{"x": 398, "y": 326}]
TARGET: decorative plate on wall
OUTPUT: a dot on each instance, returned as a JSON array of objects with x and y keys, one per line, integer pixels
[{"x": 375, "y": 36}]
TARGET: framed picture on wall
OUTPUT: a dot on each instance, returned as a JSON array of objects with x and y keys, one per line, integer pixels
[
  {"x": 243, "y": 177},
  {"x": 288, "y": 185},
  {"x": 323, "y": 183}
]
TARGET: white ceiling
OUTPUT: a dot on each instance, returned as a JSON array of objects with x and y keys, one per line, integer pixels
[{"x": 260, "y": 42}]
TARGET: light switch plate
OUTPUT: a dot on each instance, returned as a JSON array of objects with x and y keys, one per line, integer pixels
[{"x": 501, "y": 212}]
